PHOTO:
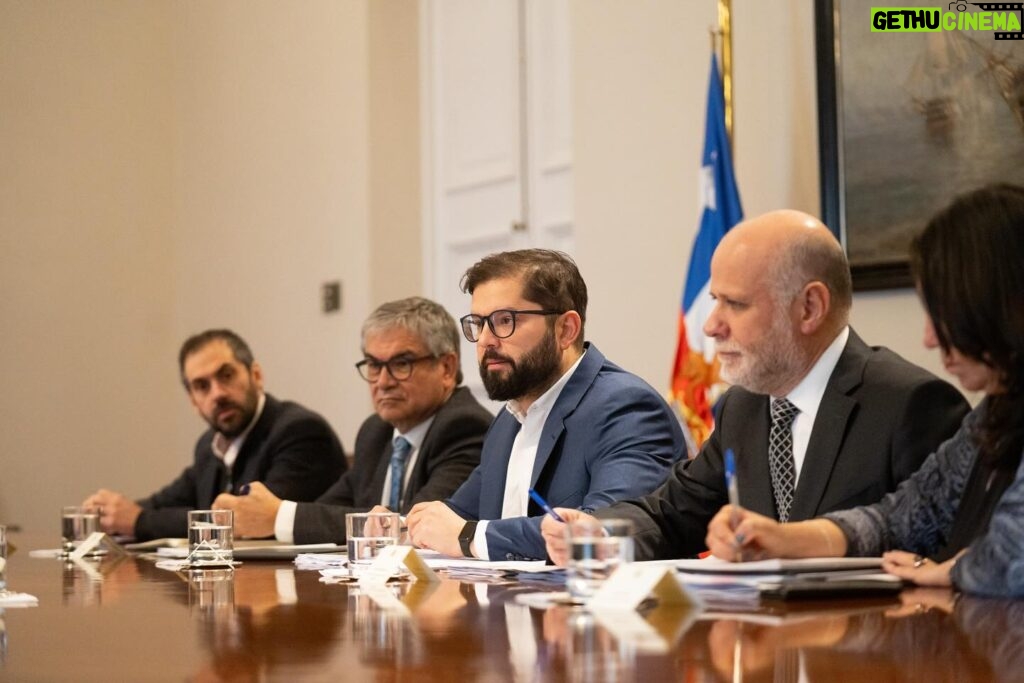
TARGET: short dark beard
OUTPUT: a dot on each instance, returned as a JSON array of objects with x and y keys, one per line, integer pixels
[
  {"x": 530, "y": 375},
  {"x": 247, "y": 410}
]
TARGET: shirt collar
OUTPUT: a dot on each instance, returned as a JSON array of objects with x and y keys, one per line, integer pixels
[
  {"x": 417, "y": 434},
  {"x": 807, "y": 395},
  {"x": 221, "y": 443},
  {"x": 548, "y": 398}
]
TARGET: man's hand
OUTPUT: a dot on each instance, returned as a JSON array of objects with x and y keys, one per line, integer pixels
[
  {"x": 117, "y": 514},
  {"x": 737, "y": 534},
  {"x": 254, "y": 513},
  {"x": 554, "y": 533},
  {"x": 435, "y": 526}
]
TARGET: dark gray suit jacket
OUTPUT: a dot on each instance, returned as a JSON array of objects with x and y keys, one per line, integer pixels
[
  {"x": 290, "y": 449},
  {"x": 878, "y": 420},
  {"x": 449, "y": 452}
]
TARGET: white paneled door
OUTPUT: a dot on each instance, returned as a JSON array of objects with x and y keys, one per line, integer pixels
[{"x": 497, "y": 138}]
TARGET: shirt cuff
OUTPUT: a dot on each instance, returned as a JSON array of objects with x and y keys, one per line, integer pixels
[
  {"x": 284, "y": 523},
  {"x": 480, "y": 541}
]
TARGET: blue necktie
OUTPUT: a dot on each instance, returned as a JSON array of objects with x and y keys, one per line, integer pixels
[{"x": 399, "y": 453}]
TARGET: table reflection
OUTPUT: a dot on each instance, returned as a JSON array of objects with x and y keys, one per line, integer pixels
[
  {"x": 263, "y": 620},
  {"x": 266, "y": 621}
]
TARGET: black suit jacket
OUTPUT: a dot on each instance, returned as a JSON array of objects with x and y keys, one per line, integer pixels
[
  {"x": 449, "y": 452},
  {"x": 290, "y": 449},
  {"x": 879, "y": 418}
]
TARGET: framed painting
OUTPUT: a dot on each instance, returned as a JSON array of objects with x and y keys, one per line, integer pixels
[{"x": 908, "y": 120}]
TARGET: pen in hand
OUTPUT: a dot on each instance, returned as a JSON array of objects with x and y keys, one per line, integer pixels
[
  {"x": 544, "y": 504},
  {"x": 734, "y": 498}
]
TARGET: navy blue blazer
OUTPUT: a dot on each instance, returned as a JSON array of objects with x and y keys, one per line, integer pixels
[{"x": 609, "y": 436}]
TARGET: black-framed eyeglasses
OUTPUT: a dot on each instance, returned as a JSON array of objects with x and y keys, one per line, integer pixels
[
  {"x": 400, "y": 367},
  {"x": 502, "y": 322}
]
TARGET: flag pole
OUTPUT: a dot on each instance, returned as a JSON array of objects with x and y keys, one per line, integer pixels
[{"x": 725, "y": 31}]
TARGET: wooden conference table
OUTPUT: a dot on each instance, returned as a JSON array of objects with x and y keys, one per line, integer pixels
[{"x": 126, "y": 620}]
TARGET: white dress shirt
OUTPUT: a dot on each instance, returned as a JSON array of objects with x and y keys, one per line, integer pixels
[
  {"x": 519, "y": 474},
  {"x": 808, "y": 394}
]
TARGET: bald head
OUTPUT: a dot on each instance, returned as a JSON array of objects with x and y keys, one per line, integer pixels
[
  {"x": 789, "y": 249},
  {"x": 782, "y": 293}
]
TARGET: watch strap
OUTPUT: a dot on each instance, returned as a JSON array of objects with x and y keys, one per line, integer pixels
[{"x": 466, "y": 537}]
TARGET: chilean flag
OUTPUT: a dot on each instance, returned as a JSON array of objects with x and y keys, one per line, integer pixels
[{"x": 695, "y": 370}]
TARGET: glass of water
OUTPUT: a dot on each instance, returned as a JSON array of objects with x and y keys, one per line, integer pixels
[
  {"x": 597, "y": 547},
  {"x": 211, "y": 537},
  {"x": 370, "y": 532},
  {"x": 77, "y": 524}
]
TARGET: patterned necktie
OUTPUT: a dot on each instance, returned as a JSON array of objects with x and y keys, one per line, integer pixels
[
  {"x": 780, "y": 455},
  {"x": 399, "y": 453}
]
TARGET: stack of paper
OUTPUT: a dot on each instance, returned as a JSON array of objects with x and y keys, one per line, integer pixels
[
  {"x": 729, "y": 585},
  {"x": 469, "y": 569},
  {"x": 320, "y": 560}
]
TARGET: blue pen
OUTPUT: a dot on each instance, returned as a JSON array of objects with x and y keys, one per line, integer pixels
[
  {"x": 733, "y": 488},
  {"x": 544, "y": 504}
]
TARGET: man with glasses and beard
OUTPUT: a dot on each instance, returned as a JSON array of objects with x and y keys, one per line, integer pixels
[
  {"x": 576, "y": 428},
  {"x": 252, "y": 436},
  {"x": 816, "y": 419}
]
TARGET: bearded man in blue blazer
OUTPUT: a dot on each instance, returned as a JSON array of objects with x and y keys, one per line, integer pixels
[{"x": 576, "y": 428}]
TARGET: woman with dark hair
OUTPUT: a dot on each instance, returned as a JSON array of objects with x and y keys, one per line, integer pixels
[{"x": 961, "y": 516}]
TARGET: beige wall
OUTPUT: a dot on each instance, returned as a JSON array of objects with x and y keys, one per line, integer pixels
[
  {"x": 86, "y": 349},
  {"x": 396, "y": 247},
  {"x": 641, "y": 72},
  {"x": 271, "y": 148},
  {"x": 169, "y": 166}
]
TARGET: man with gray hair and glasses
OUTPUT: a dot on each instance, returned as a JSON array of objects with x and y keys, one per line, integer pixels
[{"x": 420, "y": 444}]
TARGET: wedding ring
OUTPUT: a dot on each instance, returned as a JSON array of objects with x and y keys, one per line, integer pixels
[{"x": 919, "y": 561}]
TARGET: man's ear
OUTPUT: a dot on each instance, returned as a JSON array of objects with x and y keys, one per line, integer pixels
[
  {"x": 568, "y": 329},
  {"x": 450, "y": 363},
  {"x": 815, "y": 302},
  {"x": 256, "y": 372}
]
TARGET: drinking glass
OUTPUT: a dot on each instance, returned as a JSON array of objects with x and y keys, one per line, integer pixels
[
  {"x": 77, "y": 524},
  {"x": 597, "y": 547},
  {"x": 211, "y": 537},
  {"x": 370, "y": 532}
]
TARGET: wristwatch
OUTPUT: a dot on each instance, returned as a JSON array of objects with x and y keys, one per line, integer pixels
[{"x": 466, "y": 537}]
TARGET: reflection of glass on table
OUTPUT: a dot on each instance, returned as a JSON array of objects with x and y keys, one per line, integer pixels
[{"x": 211, "y": 591}]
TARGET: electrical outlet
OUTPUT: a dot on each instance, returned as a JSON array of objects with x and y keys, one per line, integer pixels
[{"x": 330, "y": 296}]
